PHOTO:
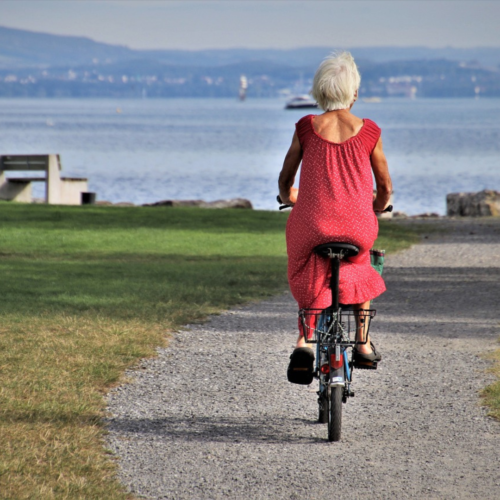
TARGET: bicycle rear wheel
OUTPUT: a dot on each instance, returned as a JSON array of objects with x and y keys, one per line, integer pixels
[{"x": 335, "y": 413}]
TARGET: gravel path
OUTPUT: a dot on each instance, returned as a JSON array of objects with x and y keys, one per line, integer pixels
[{"x": 214, "y": 417}]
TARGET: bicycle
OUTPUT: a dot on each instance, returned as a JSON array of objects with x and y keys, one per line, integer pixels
[{"x": 334, "y": 330}]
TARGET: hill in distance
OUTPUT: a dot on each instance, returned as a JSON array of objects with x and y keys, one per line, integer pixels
[
  {"x": 24, "y": 49},
  {"x": 43, "y": 65}
]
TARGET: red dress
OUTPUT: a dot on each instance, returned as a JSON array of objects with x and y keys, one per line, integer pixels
[{"x": 335, "y": 203}]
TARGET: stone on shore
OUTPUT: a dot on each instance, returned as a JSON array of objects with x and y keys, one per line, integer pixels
[
  {"x": 124, "y": 204},
  {"x": 106, "y": 203},
  {"x": 484, "y": 203},
  {"x": 174, "y": 203},
  {"x": 230, "y": 203},
  {"x": 399, "y": 215},
  {"x": 426, "y": 215}
]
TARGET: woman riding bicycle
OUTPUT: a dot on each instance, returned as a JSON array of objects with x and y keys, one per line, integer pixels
[{"x": 339, "y": 152}]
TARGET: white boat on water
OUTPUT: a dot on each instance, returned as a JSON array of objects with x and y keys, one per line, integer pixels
[
  {"x": 243, "y": 87},
  {"x": 301, "y": 102}
]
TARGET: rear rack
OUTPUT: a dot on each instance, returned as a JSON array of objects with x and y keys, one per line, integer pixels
[{"x": 328, "y": 327}]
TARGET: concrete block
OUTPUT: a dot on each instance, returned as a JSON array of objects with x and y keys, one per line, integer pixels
[{"x": 16, "y": 191}]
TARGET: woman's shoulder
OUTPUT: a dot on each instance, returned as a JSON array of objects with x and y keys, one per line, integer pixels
[
  {"x": 304, "y": 128},
  {"x": 370, "y": 124},
  {"x": 370, "y": 134},
  {"x": 305, "y": 120}
]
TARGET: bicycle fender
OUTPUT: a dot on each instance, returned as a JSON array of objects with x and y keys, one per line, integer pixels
[{"x": 337, "y": 378}]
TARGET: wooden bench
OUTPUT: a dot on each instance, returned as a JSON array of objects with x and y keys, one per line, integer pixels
[{"x": 58, "y": 190}]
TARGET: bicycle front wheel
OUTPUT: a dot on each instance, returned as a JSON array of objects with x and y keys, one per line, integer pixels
[
  {"x": 335, "y": 413},
  {"x": 323, "y": 406}
]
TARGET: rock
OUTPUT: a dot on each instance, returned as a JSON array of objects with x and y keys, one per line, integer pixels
[
  {"x": 484, "y": 203},
  {"x": 426, "y": 215},
  {"x": 231, "y": 203},
  {"x": 175, "y": 203},
  {"x": 399, "y": 215},
  {"x": 105, "y": 203},
  {"x": 187, "y": 203}
]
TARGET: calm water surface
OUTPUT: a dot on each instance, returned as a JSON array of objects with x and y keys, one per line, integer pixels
[{"x": 148, "y": 150}]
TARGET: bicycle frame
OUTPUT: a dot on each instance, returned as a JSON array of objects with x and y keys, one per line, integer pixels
[
  {"x": 333, "y": 332},
  {"x": 332, "y": 362}
]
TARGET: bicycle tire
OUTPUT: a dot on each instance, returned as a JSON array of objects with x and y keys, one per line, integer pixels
[
  {"x": 335, "y": 413},
  {"x": 323, "y": 407}
]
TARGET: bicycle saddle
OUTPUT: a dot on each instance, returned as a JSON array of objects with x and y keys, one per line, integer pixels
[{"x": 326, "y": 249}]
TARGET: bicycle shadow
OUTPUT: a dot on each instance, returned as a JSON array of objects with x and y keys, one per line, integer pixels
[{"x": 217, "y": 429}]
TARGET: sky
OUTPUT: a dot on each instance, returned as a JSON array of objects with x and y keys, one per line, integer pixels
[{"x": 207, "y": 24}]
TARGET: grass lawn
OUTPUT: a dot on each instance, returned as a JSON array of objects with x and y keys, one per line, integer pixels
[{"x": 88, "y": 291}]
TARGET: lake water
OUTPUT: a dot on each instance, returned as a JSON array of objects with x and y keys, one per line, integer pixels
[{"x": 143, "y": 151}]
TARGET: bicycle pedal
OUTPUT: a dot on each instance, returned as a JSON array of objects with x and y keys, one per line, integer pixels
[{"x": 365, "y": 366}]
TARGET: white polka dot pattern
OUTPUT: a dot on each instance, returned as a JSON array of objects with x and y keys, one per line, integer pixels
[{"x": 335, "y": 203}]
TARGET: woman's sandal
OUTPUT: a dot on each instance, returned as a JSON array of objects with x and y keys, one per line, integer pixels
[
  {"x": 366, "y": 361},
  {"x": 301, "y": 367}
]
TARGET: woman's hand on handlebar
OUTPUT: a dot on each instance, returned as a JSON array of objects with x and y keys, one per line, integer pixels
[
  {"x": 388, "y": 208},
  {"x": 291, "y": 199}
]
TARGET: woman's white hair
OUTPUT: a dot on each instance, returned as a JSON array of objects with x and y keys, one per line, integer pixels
[{"x": 336, "y": 81}]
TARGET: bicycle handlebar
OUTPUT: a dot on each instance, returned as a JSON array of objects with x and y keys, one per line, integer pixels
[
  {"x": 386, "y": 209},
  {"x": 283, "y": 206}
]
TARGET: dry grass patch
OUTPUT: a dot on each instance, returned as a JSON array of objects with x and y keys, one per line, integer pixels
[
  {"x": 491, "y": 394},
  {"x": 54, "y": 373}
]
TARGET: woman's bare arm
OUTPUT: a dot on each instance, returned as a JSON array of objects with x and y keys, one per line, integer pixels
[
  {"x": 382, "y": 178},
  {"x": 288, "y": 193}
]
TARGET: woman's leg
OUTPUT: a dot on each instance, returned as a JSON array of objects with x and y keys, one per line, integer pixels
[
  {"x": 362, "y": 329},
  {"x": 307, "y": 325},
  {"x": 301, "y": 342}
]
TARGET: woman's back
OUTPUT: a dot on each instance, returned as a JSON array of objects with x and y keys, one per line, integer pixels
[
  {"x": 338, "y": 126},
  {"x": 336, "y": 175}
]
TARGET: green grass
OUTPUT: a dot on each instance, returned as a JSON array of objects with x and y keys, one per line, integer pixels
[{"x": 88, "y": 291}]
